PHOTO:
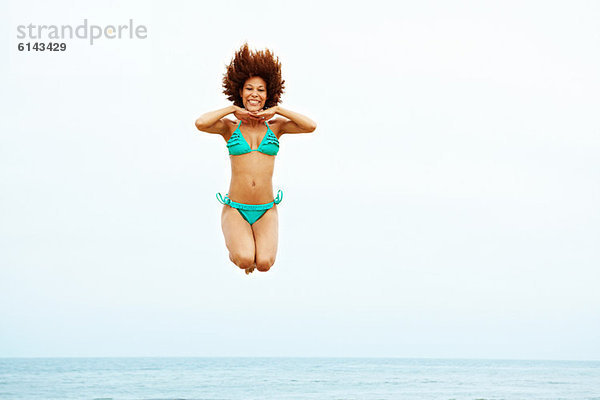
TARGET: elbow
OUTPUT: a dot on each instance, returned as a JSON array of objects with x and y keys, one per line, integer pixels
[
  {"x": 199, "y": 124},
  {"x": 312, "y": 127}
]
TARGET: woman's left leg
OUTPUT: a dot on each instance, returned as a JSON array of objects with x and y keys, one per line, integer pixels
[{"x": 266, "y": 236}]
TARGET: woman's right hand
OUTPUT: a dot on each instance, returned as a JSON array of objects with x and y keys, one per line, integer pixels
[{"x": 243, "y": 114}]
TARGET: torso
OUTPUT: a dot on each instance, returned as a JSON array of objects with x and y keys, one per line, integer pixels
[{"x": 252, "y": 173}]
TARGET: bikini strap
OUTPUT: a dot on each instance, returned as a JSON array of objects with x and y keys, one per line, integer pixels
[{"x": 227, "y": 201}]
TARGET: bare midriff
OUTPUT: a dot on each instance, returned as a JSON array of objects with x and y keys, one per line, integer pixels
[{"x": 252, "y": 178}]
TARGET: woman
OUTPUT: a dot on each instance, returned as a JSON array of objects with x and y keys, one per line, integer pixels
[{"x": 249, "y": 217}]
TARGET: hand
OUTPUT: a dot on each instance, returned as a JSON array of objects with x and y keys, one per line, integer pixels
[
  {"x": 265, "y": 114},
  {"x": 244, "y": 115}
]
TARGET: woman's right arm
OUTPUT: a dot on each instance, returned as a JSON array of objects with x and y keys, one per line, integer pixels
[{"x": 213, "y": 122}]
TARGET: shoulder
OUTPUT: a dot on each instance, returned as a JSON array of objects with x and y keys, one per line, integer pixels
[
  {"x": 276, "y": 125},
  {"x": 230, "y": 126}
]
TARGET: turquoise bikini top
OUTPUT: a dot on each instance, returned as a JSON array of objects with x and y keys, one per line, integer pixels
[{"x": 237, "y": 145}]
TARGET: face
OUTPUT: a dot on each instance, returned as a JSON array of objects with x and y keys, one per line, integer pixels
[{"x": 254, "y": 93}]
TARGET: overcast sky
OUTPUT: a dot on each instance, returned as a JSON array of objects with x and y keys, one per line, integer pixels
[{"x": 446, "y": 205}]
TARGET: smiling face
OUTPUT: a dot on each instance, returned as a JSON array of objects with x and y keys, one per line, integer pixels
[{"x": 254, "y": 93}]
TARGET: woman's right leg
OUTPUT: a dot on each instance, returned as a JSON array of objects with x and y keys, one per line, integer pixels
[{"x": 239, "y": 238}]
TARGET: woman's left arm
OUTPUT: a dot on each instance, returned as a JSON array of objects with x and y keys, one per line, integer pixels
[{"x": 296, "y": 122}]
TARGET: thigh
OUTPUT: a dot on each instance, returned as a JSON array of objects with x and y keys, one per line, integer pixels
[
  {"x": 266, "y": 235},
  {"x": 238, "y": 233}
]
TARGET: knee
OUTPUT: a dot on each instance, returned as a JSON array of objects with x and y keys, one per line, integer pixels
[
  {"x": 242, "y": 260},
  {"x": 264, "y": 264}
]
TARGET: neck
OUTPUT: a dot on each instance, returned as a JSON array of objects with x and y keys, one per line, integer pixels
[{"x": 253, "y": 123}]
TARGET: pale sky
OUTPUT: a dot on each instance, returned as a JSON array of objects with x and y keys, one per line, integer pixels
[{"x": 446, "y": 205}]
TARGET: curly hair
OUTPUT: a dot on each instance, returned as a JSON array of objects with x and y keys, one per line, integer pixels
[{"x": 246, "y": 64}]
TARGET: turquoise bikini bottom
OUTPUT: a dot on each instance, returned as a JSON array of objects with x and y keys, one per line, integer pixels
[{"x": 250, "y": 212}]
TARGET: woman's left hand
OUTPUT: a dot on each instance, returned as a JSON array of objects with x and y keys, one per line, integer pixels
[{"x": 266, "y": 114}]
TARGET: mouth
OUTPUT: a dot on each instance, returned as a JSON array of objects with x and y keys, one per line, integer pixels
[{"x": 254, "y": 102}]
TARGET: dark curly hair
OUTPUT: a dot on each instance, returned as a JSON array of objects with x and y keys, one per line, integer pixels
[{"x": 246, "y": 64}]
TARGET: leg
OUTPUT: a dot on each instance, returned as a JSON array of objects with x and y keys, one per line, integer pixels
[
  {"x": 238, "y": 238},
  {"x": 266, "y": 236}
]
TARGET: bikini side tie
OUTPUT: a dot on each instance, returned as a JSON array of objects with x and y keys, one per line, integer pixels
[
  {"x": 224, "y": 200},
  {"x": 279, "y": 197}
]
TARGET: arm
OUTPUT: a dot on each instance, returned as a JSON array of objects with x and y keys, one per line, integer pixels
[
  {"x": 213, "y": 121},
  {"x": 297, "y": 123}
]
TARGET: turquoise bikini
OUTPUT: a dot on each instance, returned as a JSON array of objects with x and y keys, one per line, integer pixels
[
  {"x": 237, "y": 146},
  {"x": 250, "y": 212}
]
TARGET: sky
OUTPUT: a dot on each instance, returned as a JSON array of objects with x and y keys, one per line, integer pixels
[{"x": 445, "y": 207}]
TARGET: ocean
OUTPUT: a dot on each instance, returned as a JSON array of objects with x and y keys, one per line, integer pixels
[{"x": 295, "y": 378}]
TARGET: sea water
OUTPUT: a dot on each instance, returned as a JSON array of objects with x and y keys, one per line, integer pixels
[{"x": 295, "y": 378}]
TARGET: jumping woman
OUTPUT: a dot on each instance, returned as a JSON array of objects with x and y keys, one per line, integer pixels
[{"x": 249, "y": 218}]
